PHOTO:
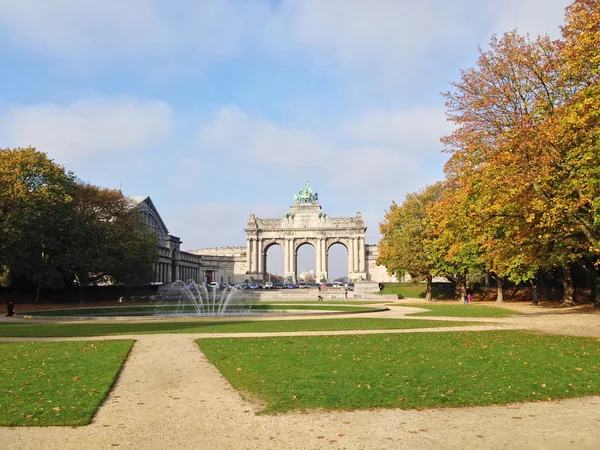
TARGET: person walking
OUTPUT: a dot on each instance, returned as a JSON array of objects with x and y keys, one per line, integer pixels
[
  {"x": 469, "y": 298},
  {"x": 466, "y": 298},
  {"x": 10, "y": 309}
]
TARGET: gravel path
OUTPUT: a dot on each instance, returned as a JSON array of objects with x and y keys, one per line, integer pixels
[{"x": 169, "y": 396}]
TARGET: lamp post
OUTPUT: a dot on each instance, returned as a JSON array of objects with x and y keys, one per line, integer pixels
[{"x": 269, "y": 266}]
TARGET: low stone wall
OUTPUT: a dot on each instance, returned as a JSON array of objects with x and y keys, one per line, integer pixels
[
  {"x": 313, "y": 294},
  {"x": 369, "y": 287}
]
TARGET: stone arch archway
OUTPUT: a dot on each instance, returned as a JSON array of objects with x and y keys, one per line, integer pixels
[
  {"x": 297, "y": 246},
  {"x": 345, "y": 243},
  {"x": 305, "y": 223},
  {"x": 267, "y": 245}
]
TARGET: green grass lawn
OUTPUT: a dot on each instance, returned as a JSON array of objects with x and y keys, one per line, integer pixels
[
  {"x": 57, "y": 383},
  {"x": 190, "y": 308},
  {"x": 416, "y": 290},
  {"x": 461, "y": 310},
  {"x": 19, "y": 329},
  {"x": 407, "y": 370}
]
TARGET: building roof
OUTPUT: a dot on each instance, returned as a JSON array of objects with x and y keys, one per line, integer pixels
[{"x": 146, "y": 202}]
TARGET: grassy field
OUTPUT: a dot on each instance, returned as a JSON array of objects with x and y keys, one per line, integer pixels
[
  {"x": 416, "y": 290},
  {"x": 190, "y": 308},
  {"x": 57, "y": 383},
  {"x": 213, "y": 326},
  {"x": 407, "y": 370},
  {"x": 404, "y": 289},
  {"x": 461, "y": 310}
]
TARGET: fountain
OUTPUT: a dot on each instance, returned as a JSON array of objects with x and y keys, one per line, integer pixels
[{"x": 190, "y": 298}]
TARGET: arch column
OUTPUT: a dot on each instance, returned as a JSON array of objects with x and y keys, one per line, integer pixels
[
  {"x": 319, "y": 259},
  {"x": 286, "y": 257},
  {"x": 361, "y": 255},
  {"x": 324, "y": 265},
  {"x": 261, "y": 260},
  {"x": 254, "y": 256},
  {"x": 249, "y": 255},
  {"x": 293, "y": 260},
  {"x": 355, "y": 253},
  {"x": 351, "y": 256}
]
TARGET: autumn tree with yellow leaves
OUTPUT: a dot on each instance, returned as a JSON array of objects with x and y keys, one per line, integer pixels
[
  {"x": 55, "y": 229},
  {"x": 523, "y": 177}
]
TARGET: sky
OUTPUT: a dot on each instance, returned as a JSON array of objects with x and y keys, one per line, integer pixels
[{"x": 221, "y": 108}]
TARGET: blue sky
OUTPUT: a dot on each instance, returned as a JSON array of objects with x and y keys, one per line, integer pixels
[{"x": 221, "y": 108}]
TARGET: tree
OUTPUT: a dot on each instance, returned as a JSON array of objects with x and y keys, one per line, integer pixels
[
  {"x": 54, "y": 228},
  {"x": 36, "y": 212},
  {"x": 112, "y": 242},
  {"x": 403, "y": 233},
  {"x": 518, "y": 176},
  {"x": 449, "y": 245}
]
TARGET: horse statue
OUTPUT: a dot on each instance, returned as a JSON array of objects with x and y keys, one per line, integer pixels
[{"x": 305, "y": 195}]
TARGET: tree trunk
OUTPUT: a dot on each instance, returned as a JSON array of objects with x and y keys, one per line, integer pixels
[
  {"x": 81, "y": 294},
  {"x": 593, "y": 280},
  {"x": 428, "y": 288},
  {"x": 460, "y": 288},
  {"x": 457, "y": 289},
  {"x": 486, "y": 282},
  {"x": 37, "y": 293},
  {"x": 534, "y": 292},
  {"x": 568, "y": 292},
  {"x": 500, "y": 290},
  {"x": 594, "y": 290}
]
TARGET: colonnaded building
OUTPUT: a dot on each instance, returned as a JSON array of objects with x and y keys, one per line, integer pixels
[{"x": 304, "y": 224}]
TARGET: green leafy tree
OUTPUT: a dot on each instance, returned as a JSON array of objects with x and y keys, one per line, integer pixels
[
  {"x": 112, "y": 243},
  {"x": 54, "y": 228},
  {"x": 404, "y": 231},
  {"x": 36, "y": 212}
]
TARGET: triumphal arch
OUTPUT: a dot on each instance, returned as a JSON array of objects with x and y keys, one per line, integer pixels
[{"x": 305, "y": 223}]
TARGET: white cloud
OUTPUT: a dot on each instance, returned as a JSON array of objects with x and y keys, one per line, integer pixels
[
  {"x": 382, "y": 151},
  {"x": 104, "y": 29},
  {"x": 397, "y": 38},
  {"x": 413, "y": 129},
  {"x": 530, "y": 16},
  {"x": 383, "y": 37},
  {"x": 364, "y": 32},
  {"x": 260, "y": 140},
  {"x": 86, "y": 128},
  {"x": 215, "y": 224}
]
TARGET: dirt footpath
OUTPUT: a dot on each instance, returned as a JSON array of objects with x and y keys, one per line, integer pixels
[{"x": 169, "y": 396}]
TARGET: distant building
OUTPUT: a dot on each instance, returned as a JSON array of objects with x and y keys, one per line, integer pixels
[{"x": 305, "y": 223}]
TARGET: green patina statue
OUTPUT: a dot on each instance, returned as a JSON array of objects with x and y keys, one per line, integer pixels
[{"x": 306, "y": 195}]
